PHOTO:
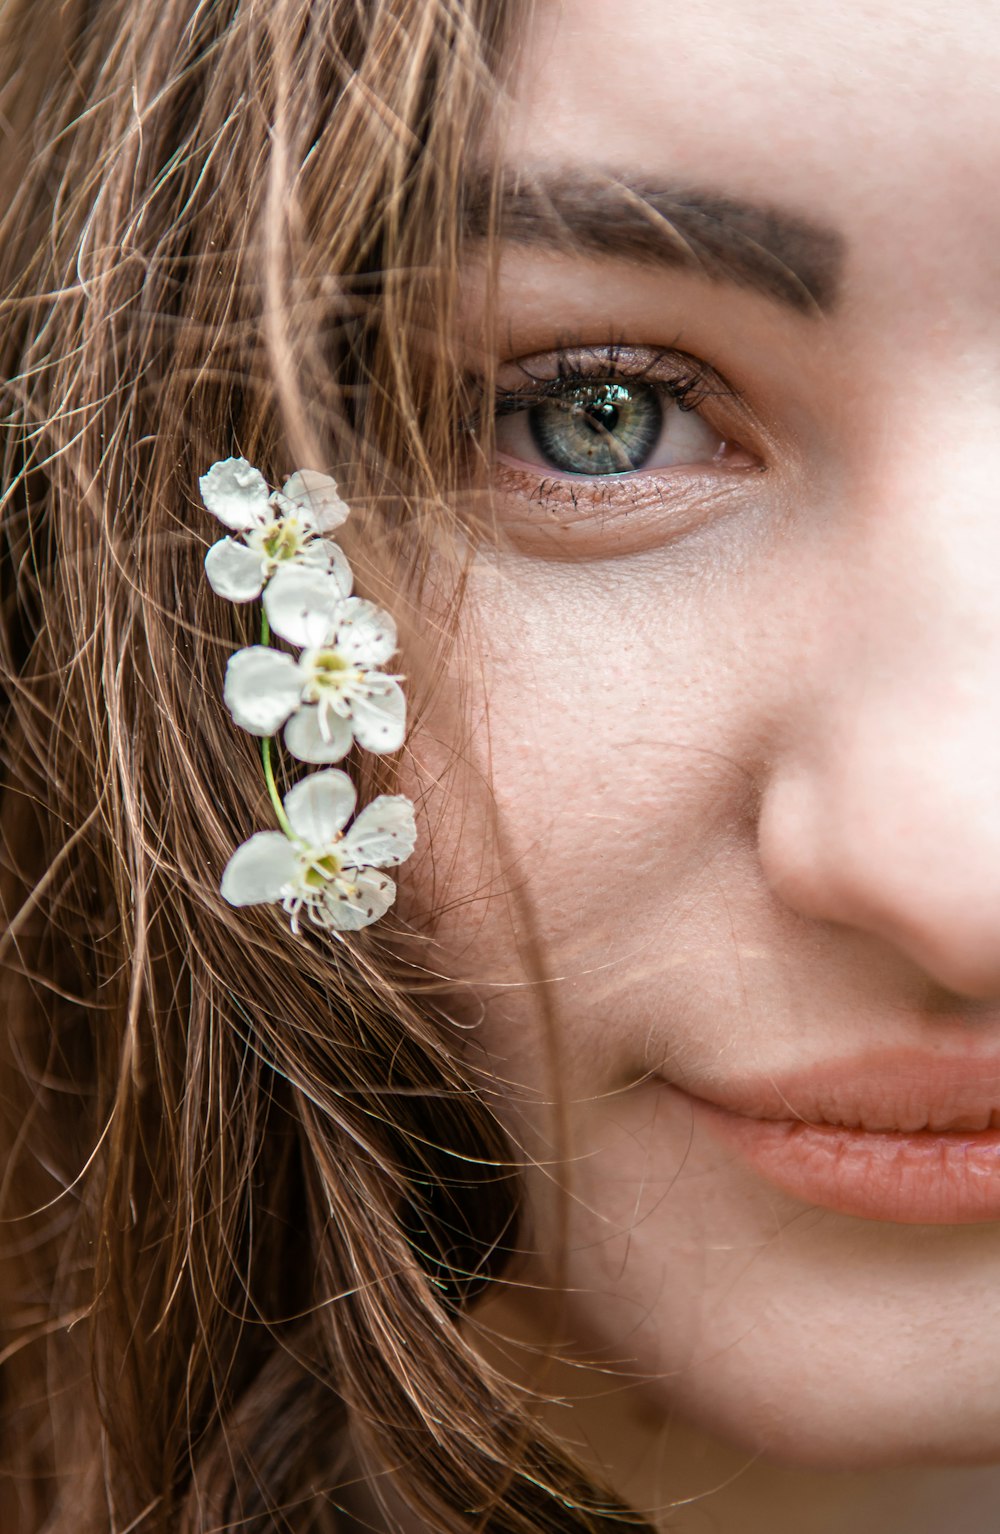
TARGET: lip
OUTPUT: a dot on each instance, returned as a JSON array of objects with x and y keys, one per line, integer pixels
[{"x": 903, "y": 1136}]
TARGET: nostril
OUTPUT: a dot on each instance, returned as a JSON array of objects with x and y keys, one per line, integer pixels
[{"x": 793, "y": 850}]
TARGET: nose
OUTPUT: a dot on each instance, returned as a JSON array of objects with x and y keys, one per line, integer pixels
[{"x": 882, "y": 811}]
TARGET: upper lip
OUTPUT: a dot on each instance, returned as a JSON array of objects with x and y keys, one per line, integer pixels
[{"x": 886, "y": 1090}]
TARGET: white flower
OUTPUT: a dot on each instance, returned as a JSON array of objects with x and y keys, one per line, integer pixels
[
  {"x": 334, "y": 693},
  {"x": 279, "y": 529},
  {"x": 328, "y": 874}
]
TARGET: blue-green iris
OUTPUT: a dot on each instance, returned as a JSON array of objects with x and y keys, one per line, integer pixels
[{"x": 599, "y": 428}]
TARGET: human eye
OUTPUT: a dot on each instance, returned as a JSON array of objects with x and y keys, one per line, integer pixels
[
  {"x": 601, "y": 449},
  {"x": 597, "y": 413}
]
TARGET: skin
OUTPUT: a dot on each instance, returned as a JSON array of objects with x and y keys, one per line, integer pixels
[{"x": 738, "y": 738}]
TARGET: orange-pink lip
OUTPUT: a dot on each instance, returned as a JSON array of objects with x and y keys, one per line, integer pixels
[{"x": 897, "y": 1135}]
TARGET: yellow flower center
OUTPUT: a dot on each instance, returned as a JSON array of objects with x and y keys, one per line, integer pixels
[
  {"x": 284, "y": 539},
  {"x": 321, "y": 871},
  {"x": 329, "y": 666}
]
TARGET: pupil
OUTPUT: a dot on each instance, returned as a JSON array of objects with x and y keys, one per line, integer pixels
[
  {"x": 601, "y": 417},
  {"x": 606, "y": 427}
]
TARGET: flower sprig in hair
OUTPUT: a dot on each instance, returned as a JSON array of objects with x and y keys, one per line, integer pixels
[{"x": 330, "y": 696}]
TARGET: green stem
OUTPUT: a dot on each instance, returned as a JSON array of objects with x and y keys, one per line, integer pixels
[
  {"x": 265, "y": 752},
  {"x": 272, "y": 788}
]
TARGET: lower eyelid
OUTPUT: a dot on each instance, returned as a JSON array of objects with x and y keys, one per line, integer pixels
[
  {"x": 571, "y": 518},
  {"x": 731, "y": 458}
]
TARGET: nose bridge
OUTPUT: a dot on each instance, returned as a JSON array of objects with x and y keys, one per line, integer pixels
[{"x": 883, "y": 812}]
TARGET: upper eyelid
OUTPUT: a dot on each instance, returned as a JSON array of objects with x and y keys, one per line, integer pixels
[
  {"x": 572, "y": 361},
  {"x": 665, "y": 365}
]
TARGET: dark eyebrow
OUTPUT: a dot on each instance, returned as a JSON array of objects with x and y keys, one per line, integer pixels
[{"x": 776, "y": 253}]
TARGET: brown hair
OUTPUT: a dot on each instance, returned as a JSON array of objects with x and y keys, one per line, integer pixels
[{"x": 248, "y": 1185}]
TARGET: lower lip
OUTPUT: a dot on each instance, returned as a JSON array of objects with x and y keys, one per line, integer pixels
[{"x": 924, "y": 1178}]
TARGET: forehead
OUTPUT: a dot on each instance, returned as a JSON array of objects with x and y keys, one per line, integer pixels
[
  {"x": 791, "y": 98},
  {"x": 875, "y": 120}
]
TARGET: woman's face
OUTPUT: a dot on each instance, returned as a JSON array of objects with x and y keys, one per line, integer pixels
[{"x": 738, "y": 708}]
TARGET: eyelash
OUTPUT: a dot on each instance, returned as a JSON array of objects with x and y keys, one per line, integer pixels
[{"x": 691, "y": 384}]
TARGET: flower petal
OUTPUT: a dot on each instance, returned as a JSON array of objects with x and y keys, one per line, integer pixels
[
  {"x": 304, "y": 738},
  {"x": 373, "y": 894},
  {"x": 262, "y": 688},
  {"x": 365, "y": 634},
  {"x": 301, "y": 605},
  {"x": 235, "y": 492},
  {"x": 318, "y": 806},
  {"x": 383, "y": 834},
  {"x": 322, "y": 554},
  {"x": 316, "y": 497},
  {"x": 234, "y": 571},
  {"x": 379, "y": 719},
  {"x": 259, "y": 869}
]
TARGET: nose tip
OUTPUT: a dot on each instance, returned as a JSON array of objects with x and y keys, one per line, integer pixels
[
  {"x": 904, "y": 847},
  {"x": 880, "y": 810}
]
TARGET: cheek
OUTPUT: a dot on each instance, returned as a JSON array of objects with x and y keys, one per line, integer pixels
[
  {"x": 588, "y": 781},
  {"x": 586, "y": 786},
  {"x": 795, "y": 1333}
]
